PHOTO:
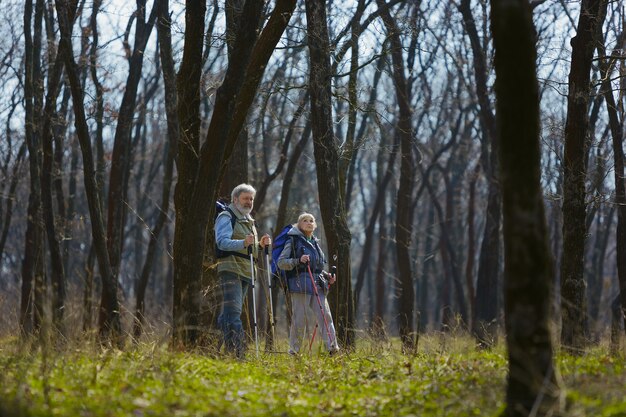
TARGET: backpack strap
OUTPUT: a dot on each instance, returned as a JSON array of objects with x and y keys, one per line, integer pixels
[
  {"x": 233, "y": 218},
  {"x": 223, "y": 253},
  {"x": 292, "y": 273}
]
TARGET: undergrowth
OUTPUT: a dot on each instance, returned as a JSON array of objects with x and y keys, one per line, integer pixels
[{"x": 445, "y": 377}]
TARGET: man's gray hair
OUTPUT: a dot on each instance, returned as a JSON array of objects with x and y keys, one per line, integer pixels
[{"x": 242, "y": 188}]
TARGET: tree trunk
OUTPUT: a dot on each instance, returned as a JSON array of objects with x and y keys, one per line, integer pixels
[
  {"x": 235, "y": 172},
  {"x": 186, "y": 307},
  {"x": 31, "y": 307},
  {"x": 120, "y": 158},
  {"x": 377, "y": 208},
  {"x": 617, "y": 324},
  {"x": 350, "y": 175},
  {"x": 573, "y": 301},
  {"x": 378, "y": 320},
  {"x": 404, "y": 219},
  {"x": 88, "y": 293},
  {"x": 88, "y": 281},
  {"x": 381, "y": 188},
  {"x": 533, "y": 383},
  {"x": 56, "y": 257},
  {"x": 350, "y": 147},
  {"x": 99, "y": 112},
  {"x": 281, "y": 215},
  {"x": 448, "y": 258},
  {"x": 283, "y": 160},
  {"x": 471, "y": 241},
  {"x": 10, "y": 197},
  {"x": 59, "y": 128},
  {"x": 327, "y": 164},
  {"x": 169, "y": 79},
  {"x": 486, "y": 312},
  {"x": 200, "y": 170},
  {"x": 428, "y": 266},
  {"x": 620, "y": 189},
  {"x": 448, "y": 230},
  {"x": 109, "y": 316},
  {"x": 161, "y": 222}
]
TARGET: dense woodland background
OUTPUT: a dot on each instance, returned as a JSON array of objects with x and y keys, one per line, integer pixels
[
  {"x": 123, "y": 122},
  {"x": 464, "y": 159}
]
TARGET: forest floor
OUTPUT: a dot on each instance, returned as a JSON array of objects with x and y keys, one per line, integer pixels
[{"x": 445, "y": 377}]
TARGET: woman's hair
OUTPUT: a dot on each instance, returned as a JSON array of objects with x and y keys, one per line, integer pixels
[
  {"x": 305, "y": 216},
  {"x": 242, "y": 188}
]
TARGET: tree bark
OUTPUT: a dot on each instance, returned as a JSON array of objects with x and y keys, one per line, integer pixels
[
  {"x": 288, "y": 178},
  {"x": 448, "y": 256},
  {"x": 378, "y": 207},
  {"x": 200, "y": 170},
  {"x": 533, "y": 383},
  {"x": 8, "y": 209},
  {"x": 404, "y": 217},
  {"x": 109, "y": 317},
  {"x": 169, "y": 80},
  {"x": 186, "y": 307},
  {"x": 620, "y": 189},
  {"x": 381, "y": 187},
  {"x": 283, "y": 160},
  {"x": 327, "y": 163},
  {"x": 56, "y": 257},
  {"x": 31, "y": 308},
  {"x": 486, "y": 312},
  {"x": 350, "y": 148},
  {"x": 120, "y": 158},
  {"x": 573, "y": 301},
  {"x": 378, "y": 320},
  {"x": 471, "y": 240}
]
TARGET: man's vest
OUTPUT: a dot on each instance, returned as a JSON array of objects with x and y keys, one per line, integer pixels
[{"x": 243, "y": 226}]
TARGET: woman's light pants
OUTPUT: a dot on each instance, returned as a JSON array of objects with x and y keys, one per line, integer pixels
[{"x": 307, "y": 313}]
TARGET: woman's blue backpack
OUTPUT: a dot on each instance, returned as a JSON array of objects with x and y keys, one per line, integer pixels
[{"x": 277, "y": 248}]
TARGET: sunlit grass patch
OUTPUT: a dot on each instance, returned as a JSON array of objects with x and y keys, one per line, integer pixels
[{"x": 449, "y": 377}]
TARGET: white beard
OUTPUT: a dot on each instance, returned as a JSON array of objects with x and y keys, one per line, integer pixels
[{"x": 243, "y": 210}]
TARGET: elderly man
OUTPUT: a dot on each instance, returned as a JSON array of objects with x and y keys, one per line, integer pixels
[{"x": 235, "y": 233}]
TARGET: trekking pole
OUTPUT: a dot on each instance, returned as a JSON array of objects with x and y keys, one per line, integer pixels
[
  {"x": 312, "y": 338},
  {"x": 256, "y": 334},
  {"x": 319, "y": 303},
  {"x": 334, "y": 269},
  {"x": 269, "y": 286}
]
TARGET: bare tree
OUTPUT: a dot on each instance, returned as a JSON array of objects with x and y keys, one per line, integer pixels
[
  {"x": 7, "y": 209},
  {"x": 109, "y": 317},
  {"x": 99, "y": 159},
  {"x": 327, "y": 165},
  {"x": 200, "y": 168},
  {"x": 33, "y": 277},
  {"x": 573, "y": 301},
  {"x": 122, "y": 147},
  {"x": 408, "y": 160},
  {"x": 615, "y": 113},
  {"x": 533, "y": 384},
  {"x": 169, "y": 80},
  {"x": 56, "y": 257},
  {"x": 484, "y": 322},
  {"x": 11, "y": 170}
]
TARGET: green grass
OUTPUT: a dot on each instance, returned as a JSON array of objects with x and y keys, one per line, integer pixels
[{"x": 447, "y": 377}]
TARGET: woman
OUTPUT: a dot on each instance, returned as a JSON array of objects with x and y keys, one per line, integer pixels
[{"x": 302, "y": 252}]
